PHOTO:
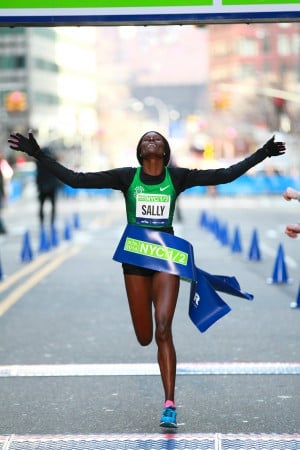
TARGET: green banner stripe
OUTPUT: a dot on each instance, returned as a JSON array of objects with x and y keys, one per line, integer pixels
[
  {"x": 156, "y": 251},
  {"x": 83, "y": 4},
  {"x": 27, "y": 4},
  {"x": 258, "y": 2}
]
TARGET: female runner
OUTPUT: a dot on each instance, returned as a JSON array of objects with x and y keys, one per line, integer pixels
[{"x": 148, "y": 289}]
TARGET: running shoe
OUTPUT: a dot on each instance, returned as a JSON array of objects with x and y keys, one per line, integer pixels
[{"x": 168, "y": 418}]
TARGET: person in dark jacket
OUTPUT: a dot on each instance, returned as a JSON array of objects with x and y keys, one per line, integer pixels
[
  {"x": 47, "y": 186},
  {"x": 150, "y": 192}
]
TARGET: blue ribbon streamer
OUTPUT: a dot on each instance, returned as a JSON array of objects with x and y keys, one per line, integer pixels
[{"x": 165, "y": 252}]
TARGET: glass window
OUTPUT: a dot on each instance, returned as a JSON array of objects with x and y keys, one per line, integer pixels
[
  {"x": 283, "y": 45},
  {"x": 49, "y": 33},
  {"x": 246, "y": 70},
  {"x": 298, "y": 72},
  {"x": 11, "y": 31},
  {"x": 43, "y": 98},
  {"x": 284, "y": 68},
  {"x": 266, "y": 44},
  {"x": 247, "y": 47},
  {"x": 296, "y": 44},
  {"x": 44, "y": 64},
  {"x": 12, "y": 62},
  {"x": 267, "y": 67}
]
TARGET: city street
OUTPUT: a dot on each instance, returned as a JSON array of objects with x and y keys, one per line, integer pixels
[{"x": 72, "y": 374}]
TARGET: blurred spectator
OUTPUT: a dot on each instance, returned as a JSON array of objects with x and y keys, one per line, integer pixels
[
  {"x": 47, "y": 186},
  {"x": 2, "y": 199},
  {"x": 6, "y": 172},
  {"x": 292, "y": 230},
  {"x": 291, "y": 194}
]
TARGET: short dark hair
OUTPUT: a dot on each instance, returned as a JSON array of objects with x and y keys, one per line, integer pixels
[{"x": 166, "y": 145}]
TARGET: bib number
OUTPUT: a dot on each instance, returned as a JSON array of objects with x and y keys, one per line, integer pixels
[{"x": 152, "y": 209}]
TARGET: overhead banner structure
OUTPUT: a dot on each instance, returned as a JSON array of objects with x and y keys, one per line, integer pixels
[{"x": 144, "y": 12}]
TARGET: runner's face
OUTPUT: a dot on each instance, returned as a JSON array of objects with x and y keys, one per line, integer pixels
[{"x": 152, "y": 145}]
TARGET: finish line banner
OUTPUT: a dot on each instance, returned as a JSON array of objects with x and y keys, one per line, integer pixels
[
  {"x": 144, "y": 12},
  {"x": 165, "y": 252}
]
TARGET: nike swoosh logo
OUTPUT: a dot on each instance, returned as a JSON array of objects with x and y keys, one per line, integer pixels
[{"x": 163, "y": 188}]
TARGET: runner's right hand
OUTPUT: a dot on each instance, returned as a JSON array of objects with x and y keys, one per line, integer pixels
[{"x": 27, "y": 145}]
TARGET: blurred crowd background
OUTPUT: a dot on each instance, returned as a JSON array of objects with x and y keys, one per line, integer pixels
[{"x": 217, "y": 92}]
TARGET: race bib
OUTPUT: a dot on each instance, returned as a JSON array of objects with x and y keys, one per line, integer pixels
[{"x": 153, "y": 209}]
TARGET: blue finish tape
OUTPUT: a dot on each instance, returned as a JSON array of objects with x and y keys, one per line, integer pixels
[{"x": 165, "y": 252}]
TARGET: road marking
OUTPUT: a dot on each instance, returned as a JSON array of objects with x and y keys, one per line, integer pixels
[
  {"x": 30, "y": 267},
  {"x": 18, "y": 293},
  {"x": 73, "y": 370},
  {"x": 180, "y": 441}
]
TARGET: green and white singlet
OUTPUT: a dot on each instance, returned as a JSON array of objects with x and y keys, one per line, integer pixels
[{"x": 151, "y": 205}]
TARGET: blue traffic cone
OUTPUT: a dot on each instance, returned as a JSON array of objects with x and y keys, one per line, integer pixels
[
  {"x": 223, "y": 235},
  {"x": 203, "y": 220},
  {"x": 296, "y": 304},
  {"x": 67, "y": 232},
  {"x": 236, "y": 246},
  {"x": 215, "y": 227},
  {"x": 54, "y": 236},
  {"x": 280, "y": 274},
  {"x": 254, "y": 251},
  {"x": 76, "y": 221},
  {"x": 44, "y": 242},
  {"x": 26, "y": 252}
]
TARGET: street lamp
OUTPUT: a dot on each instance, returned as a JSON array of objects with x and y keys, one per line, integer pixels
[{"x": 135, "y": 104}]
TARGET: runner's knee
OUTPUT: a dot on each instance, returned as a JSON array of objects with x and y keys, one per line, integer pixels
[
  {"x": 163, "y": 331},
  {"x": 144, "y": 340}
]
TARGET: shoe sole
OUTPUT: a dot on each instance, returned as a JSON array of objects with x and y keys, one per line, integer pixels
[{"x": 168, "y": 425}]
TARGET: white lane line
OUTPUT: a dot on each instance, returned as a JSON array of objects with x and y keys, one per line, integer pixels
[
  {"x": 226, "y": 368},
  {"x": 25, "y": 270},
  {"x": 7, "y": 442},
  {"x": 19, "y": 292},
  {"x": 217, "y": 439}
]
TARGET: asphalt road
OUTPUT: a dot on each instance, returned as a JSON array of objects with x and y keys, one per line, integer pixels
[{"x": 64, "y": 316}]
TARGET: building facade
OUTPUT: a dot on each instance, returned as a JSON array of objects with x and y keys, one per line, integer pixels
[{"x": 48, "y": 83}]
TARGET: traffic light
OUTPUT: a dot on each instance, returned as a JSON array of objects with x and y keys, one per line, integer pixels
[
  {"x": 279, "y": 104},
  {"x": 15, "y": 101}
]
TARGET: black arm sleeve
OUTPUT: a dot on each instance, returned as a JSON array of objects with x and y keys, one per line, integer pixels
[
  {"x": 186, "y": 178},
  {"x": 112, "y": 179}
]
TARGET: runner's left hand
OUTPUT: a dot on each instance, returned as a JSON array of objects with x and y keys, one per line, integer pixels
[{"x": 273, "y": 148}]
